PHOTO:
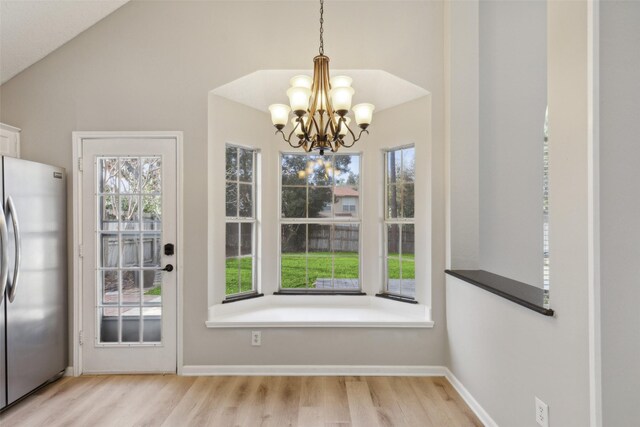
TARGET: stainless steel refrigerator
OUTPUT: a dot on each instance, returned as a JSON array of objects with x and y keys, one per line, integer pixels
[{"x": 33, "y": 277}]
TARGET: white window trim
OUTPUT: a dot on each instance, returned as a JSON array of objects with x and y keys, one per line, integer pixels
[
  {"x": 329, "y": 221},
  {"x": 255, "y": 240},
  {"x": 392, "y": 221}
]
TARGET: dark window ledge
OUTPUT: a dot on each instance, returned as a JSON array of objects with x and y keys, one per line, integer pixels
[
  {"x": 397, "y": 298},
  {"x": 525, "y": 295},
  {"x": 357, "y": 293},
  {"x": 241, "y": 298}
]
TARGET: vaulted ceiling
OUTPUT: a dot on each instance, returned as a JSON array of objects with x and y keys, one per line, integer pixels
[{"x": 30, "y": 30}]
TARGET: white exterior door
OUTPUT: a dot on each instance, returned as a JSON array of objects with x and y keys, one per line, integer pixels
[{"x": 129, "y": 236}]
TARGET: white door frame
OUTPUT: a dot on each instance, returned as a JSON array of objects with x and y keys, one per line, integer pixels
[{"x": 77, "y": 193}]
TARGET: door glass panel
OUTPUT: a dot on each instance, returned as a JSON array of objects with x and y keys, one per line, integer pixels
[{"x": 129, "y": 228}]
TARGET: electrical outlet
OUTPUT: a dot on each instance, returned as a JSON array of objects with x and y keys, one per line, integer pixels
[
  {"x": 542, "y": 413},
  {"x": 256, "y": 338}
]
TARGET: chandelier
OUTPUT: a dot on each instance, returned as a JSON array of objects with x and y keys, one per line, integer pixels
[{"x": 320, "y": 106}]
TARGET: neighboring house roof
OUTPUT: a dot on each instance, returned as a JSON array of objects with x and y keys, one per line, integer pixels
[{"x": 346, "y": 192}]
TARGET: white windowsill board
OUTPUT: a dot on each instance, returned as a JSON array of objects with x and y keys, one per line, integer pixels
[{"x": 318, "y": 311}]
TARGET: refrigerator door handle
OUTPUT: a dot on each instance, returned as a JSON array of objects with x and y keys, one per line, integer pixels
[
  {"x": 18, "y": 242},
  {"x": 4, "y": 268}
]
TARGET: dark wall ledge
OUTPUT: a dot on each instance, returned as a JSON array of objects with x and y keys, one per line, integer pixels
[{"x": 525, "y": 295}]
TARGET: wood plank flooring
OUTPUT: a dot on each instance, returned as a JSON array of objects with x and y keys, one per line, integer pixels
[{"x": 169, "y": 400}]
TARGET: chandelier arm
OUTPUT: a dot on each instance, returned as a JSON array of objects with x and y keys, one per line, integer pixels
[
  {"x": 288, "y": 140},
  {"x": 355, "y": 139}
]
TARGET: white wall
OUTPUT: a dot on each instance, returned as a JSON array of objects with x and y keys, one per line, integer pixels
[
  {"x": 503, "y": 353},
  {"x": 151, "y": 65},
  {"x": 619, "y": 207},
  {"x": 513, "y": 99}
]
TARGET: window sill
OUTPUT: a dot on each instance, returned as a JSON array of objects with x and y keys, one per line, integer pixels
[
  {"x": 520, "y": 293},
  {"x": 319, "y": 311}
]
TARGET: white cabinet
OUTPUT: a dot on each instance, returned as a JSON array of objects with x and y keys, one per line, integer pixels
[{"x": 9, "y": 141}]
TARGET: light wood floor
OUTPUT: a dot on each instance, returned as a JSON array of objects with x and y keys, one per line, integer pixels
[{"x": 155, "y": 400}]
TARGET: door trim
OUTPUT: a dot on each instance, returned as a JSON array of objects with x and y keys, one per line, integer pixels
[{"x": 77, "y": 194}]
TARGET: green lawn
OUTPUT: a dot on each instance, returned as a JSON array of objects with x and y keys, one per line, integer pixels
[
  {"x": 294, "y": 269},
  {"x": 154, "y": 291},
  {"x": 246, "y": 281}
]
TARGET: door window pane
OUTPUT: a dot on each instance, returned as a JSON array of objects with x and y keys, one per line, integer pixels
[{"x": 129, "y": 228}]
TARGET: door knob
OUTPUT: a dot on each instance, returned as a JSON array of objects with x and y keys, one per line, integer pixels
[{"x": 168, "y": 267}]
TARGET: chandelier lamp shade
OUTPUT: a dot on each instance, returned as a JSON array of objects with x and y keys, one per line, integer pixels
[{"x": 320, "y": 106}]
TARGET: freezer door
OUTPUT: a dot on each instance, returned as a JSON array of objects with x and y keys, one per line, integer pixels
[
  {"x": 3, "y": 347},
  {"x": 36, "y": 303},
  {"x": 3, "y": 372}
]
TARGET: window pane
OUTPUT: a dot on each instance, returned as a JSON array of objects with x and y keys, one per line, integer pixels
[
  {"x": 152, "y": 287},
  {"x": 245, "y": 168},
  {"x": 130, "y": 250},
  {"x": 108, "y": 175},
  {"x": 246, "y": 274},
  {"x": 129, "y": 175},
  {"x": 232, "y": 276},
  {"x": 293, "y": 267},
  {"x": 393, "y": 275},
  {"x": 346, "y": 201},
  {"x": 294, "y": 202},
  {"x": 408, "y": 201},
  {"x": 393, "y": 201},
  {"x": 231, "y": 163},
  {"x": 347, "y": 170},
  {"x": 246, "y": 238},
  {"x": 232, "y": 239},
  {"x": 393, "y": 166},
  {"x": 151, "y": 245},
  {"x": 129, "y": 212},
  {"x": 246, "y": 201},
  {"x": 346, "y": 272},
  {"x": 320, "y": 270},
  {"x": 130, "y": 287},
  {"x": 293, "y": 238},
  {"x": 109, "y": 325},
  {"x": 109, "y": 251},
  {"x": 151, "y": 175},
  {"x": 109, "y": 287},
  {"x": 130, "y": 324},
  {"x": 346, "y": 239},
  {"x": 293, "y": 169},
  {"x": 109, "y": 213},
  {"x": 408, "y": 241},
  {"x": 319, "y": 170},
  {"x": 232, "y": 200},
  {"x": 408, "y": 164},
  {"x": 152, "y": 318},
  {"x": 320, "y": 239},
  {"x": 346, "y": 263},
  {"x": 408, "y": 288},
  {"x": 393, "y": 240},
  {"x": 319, "y": 202},
  {"x": 151, "y": 213}
]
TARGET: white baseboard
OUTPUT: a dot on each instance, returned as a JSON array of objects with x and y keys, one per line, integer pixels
[
  {"x": 484, "y": 417},
  {"x": 315, "y": 370},
  {"x": 68, "y": 372}
]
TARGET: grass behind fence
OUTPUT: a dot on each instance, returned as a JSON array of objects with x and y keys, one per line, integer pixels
[{"x": 317, "y": 265}]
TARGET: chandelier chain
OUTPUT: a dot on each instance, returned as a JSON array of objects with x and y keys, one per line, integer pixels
[{"x": 321, "y": 50}]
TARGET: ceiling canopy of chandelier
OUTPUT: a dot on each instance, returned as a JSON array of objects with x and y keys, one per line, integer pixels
[{"x": 320, "y": 106}]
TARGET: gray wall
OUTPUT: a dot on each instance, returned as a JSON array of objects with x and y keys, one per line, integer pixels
[
  {"x": 619, "y": 207},
  {"x": 151, "y": 65},
  {"x": 513, "y": 99},
  {"x": 503, "y": 353}
]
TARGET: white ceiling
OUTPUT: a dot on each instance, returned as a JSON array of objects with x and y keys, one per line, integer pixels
[
  {"x": 264, "y": 87},
  {"x": 30, "y": 30}
]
